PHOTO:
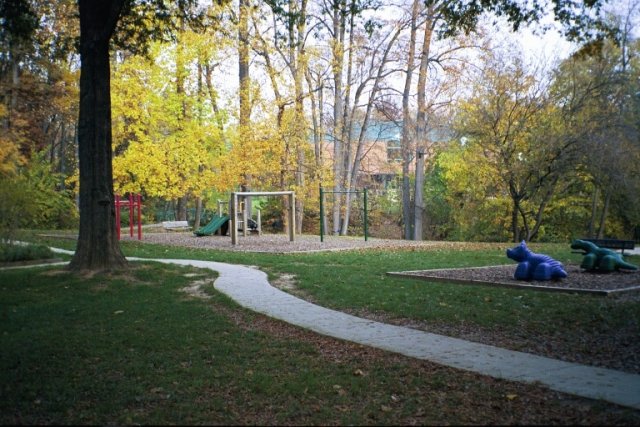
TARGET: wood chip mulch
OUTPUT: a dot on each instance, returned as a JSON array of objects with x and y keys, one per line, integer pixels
[{"x": 577, "y": 280}]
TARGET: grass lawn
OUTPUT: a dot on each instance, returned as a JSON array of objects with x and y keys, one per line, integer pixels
[{"x": 135, "y": 348}]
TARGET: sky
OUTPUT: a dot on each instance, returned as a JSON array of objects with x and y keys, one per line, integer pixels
[
  {"x": 548, "y": 45},
  {"x": 553, "y": 44}
]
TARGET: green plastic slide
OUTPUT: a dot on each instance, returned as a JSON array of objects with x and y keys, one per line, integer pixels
[{"x": 213, "y": 226}]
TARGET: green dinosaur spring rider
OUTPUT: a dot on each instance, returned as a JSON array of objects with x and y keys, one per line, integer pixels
[{"x": 600, "y": 259}]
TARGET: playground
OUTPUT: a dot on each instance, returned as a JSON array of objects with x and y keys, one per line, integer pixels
[{"x": 275, "y": 243}]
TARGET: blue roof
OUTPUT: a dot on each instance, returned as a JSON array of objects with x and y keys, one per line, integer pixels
[{"x": 390, "y": 131}]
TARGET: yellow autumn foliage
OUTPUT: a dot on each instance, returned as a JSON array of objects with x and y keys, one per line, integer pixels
[
  {"x": 10, "y": 157},
  {"x": 165, "y": 145}
]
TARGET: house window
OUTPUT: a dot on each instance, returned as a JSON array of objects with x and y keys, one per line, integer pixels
[{"x": 394, "y": 151}]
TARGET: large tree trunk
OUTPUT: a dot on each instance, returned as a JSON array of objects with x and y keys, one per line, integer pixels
[
  {"x": 243, "y": 66},
  {"x": 98, "y": 248},
  {"x": 181, "y": 208}
]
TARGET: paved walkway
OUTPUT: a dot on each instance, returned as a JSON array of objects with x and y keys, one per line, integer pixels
[{"x": 250, "y": 288}]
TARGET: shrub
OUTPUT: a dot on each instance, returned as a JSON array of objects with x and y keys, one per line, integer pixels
[{"x": 10, "y": 252}]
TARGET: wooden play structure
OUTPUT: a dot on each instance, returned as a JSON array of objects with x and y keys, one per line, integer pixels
[{"x": 239, "y": 197}]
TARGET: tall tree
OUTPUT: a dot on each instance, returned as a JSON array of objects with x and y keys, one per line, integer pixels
[
  {"x": 359, "y": 56},
  {"x": 598, "y": 95},
  {"x": 168, "y": 139},
  {"x": 288, "y": 43},
  {"x": 98, "y": 247},
  {"x": 512, "y": 121},
  {"x": 370, "y": 74},
  {"x": 244, "y": 11}
]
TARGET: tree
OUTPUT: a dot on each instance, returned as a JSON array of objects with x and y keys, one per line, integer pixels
[
  {"x": 446, "y": 19},
  {"x": 360, "y": 52},
  {"x": 473, "y": 206},
  {"x": 512, "y": 121},
  {"x": 285, "y": 53},
  {"x": 547, "y": 144},
  {"x": 19, "y": 23},
  {"x": 98, "y": 247},
  {"x": 370, "y": 75},
  {"x": 167, "y": 138},
  {"x": 599, "y": 98}
]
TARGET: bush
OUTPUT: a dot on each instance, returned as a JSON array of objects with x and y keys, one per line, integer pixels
[
  {"x": 10, "y": 252},
  {"x": 30, "y": 198}
]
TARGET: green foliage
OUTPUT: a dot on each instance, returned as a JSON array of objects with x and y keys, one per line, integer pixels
[
  {"x": 10, "y": 252},
  {"x": 438, "y": 211},
  {"x": 469, "y": 194},
  {"x": 580, "y": 20},
  {"x": 542, "y": 161},
  {"x": 18, "y": 22},
  {"x": 31, "y": 198},
  {"x": 272, "y": 210}
]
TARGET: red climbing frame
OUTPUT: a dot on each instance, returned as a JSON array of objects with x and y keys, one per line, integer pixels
[{"x": 134, "y": 201}]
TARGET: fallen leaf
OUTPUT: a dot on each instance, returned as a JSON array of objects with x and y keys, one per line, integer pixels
[
  {"x": 511, "y": 396},
  {"x": 358, "y": 373}
]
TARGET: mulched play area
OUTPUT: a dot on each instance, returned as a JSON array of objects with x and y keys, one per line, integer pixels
[{"x": 578, "y": 280}]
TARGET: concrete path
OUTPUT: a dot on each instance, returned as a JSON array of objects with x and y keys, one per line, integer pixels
[{"x": 250, "y": 288}]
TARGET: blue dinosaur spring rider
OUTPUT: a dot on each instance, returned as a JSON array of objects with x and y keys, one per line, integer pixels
[{"x": 533, "y": 266}]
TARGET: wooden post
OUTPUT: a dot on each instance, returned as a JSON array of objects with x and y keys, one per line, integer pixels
[
  {"x": 220, "y": 203},
  {"x": 292, "y": 216},
  {"x": 244, "y": 216},
  {"x": 232, "y": 219},
  {"x": 139, "y": 216},
  {"x": 259, "y": 218},
  {"x": 233, "y": 212},
  {"x": 321, "y": 214}
]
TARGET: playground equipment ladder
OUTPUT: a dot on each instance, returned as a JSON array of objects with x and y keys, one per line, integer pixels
[{"x": 135, "y": 201}]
